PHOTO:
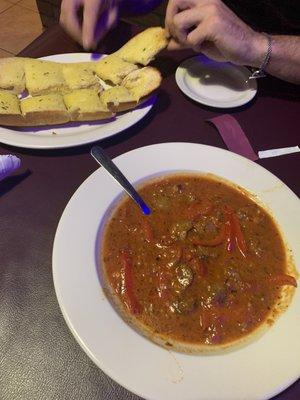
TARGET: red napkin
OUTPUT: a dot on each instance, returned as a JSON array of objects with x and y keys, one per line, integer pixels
[{"x": 234, "y": 136}]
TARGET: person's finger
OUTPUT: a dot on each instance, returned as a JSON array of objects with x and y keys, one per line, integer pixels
[
  {"x": 183, "y": 22},
  {"x": 91, "y": 14},
  {"x": 173, "y": 45},
  {"x": 112, "y": 16},
  {"x": 170, "y": 12},
  {"x": 106, "y": 21},
  {"x": 174, "y": 6},
  {"x": 69, "y": 19},
  {"x": 199, "y": 35}
]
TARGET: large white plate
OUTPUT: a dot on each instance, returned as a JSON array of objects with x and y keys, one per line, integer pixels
[
  {"x": 72, "y": 134},
  {"x": 258, "y": 371},
  {"x": 215, "y": 84}
]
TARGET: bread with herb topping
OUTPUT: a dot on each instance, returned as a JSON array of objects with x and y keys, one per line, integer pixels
[
  {"x": 118, "y": 98},
  {"x": 143, "y": 47},
  {"x": 12, "y": 74},
  {"x": 142, "y": 82},
  {"x": 113, "y": 69},
  {"x": 80, "y": 76},
  {"x": 10, "y": 112},
  {"x": 46, "y": 109},
  {"x": 85, "y": 105},
  {"x": 59, "y": 93},
  {"x": 44, "y": 77}
]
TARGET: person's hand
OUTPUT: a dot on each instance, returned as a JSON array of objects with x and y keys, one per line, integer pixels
[
  {"x": 210, "y": 27},
  {"x": 99, "y": 16}
]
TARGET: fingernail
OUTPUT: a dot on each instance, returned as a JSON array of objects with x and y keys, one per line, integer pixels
[{"x": 86, "y": 44}]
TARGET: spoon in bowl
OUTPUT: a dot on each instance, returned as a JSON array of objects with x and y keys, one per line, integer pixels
[{"x": 99, "y": 155}]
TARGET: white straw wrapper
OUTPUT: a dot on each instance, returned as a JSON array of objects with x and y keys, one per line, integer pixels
[
  {"x": 8, "y": 164},
  {"x": 278, "y": 152}
]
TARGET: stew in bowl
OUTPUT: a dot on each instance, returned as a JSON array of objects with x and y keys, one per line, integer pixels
[{"x": 207, "y": 270}]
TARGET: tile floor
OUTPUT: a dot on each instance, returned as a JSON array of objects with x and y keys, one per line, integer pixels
[{"x": 20, "y": 24}]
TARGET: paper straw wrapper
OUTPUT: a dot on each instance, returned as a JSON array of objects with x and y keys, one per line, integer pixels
[{"x": 278, "y": 152}]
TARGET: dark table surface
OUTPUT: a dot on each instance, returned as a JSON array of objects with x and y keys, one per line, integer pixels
[{"x": 39, "y": 358}]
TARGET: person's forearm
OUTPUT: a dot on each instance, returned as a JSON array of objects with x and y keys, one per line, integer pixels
[
  {"x": 133, "y": 7},
  {"x": 285, "y": 57}
]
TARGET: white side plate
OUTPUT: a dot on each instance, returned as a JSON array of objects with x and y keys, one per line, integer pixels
[{"x": 215, "y": 84}]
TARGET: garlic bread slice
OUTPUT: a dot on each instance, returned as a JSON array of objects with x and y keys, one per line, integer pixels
[
  {"x": 143, "y": 47},
  {"x": 85, "y": 105}
]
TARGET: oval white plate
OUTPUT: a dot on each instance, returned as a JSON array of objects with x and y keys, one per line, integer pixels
[
  {"x": 258, "y": 371},
  {"x": 72, "y": 134},
  {"x": 215, "y": 84}
]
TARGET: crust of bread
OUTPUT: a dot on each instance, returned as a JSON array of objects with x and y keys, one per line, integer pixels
[
  {"x": 44, "y": 110},
  {"x": 91, "y": 116},
  {"x": 118, "y": 99},
  {"x": 39, "y": 118},
  {"x": 12, "y": 120},
  {"x": 10, "y": 112},
  {"x": 143, "y": 47},
  {"x": 127, "y": 106},
  {"x": 56, "y": 117},
  {"x": 35, "y": 119},
  {"x": 130, "y": 105}
]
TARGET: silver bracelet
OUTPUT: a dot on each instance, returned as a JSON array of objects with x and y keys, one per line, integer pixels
[{"x": 260, "y": 73}]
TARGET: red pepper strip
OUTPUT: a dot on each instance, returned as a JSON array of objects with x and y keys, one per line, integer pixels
[
  {"x": 173, "y": 254},
  {"x": 187, "y": 255},
  {"x": 213, "y": 316},
  {"x": 230, "y": 240},
  {"x": 220, "y": 238},
  {"x": 164, "y": 285},
  {"x": 148, "y": 232},
  {"x": 230, "y": 243},
  {"x": 132, "y": 302},
  {"x": 238, "y": 234},
  {"x": 253, "y": 286},
  {"x": 235, "y": 236},
  {"x": 236, "y": 312},
  {"x": 206, "y": 318},
  {"x": 283, "y": 279},
  {"x": 202, "y": 269},
  {"x": 199, "y": 266},
  {"x": 196, "y": 210}
]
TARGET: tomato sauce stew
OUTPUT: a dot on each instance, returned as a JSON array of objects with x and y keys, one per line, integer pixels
[{"x": 206, "y": 267}]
